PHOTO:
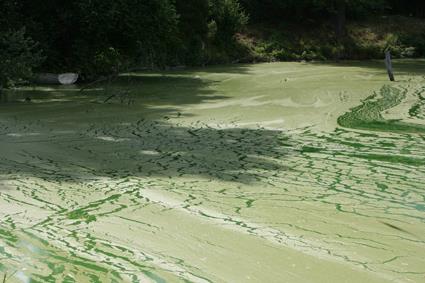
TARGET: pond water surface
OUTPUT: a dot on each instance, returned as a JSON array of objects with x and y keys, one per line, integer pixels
[{"x": 284, "y": 172}]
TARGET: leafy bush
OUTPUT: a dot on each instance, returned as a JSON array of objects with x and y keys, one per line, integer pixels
[
  {"x": 98, "y": 37},
  {"x": 18, "y": 56},
  {"x": 105, "y": 62},
  {"x": 77, "y": 35},
  {"x": 415, "y": 40},
  {"x": 142, "y": 30},
  {"x": 229, "y": 19},
  {"x": 226, "y": 19},
  {"x": 408, "y": 52},
  {"x": 193, "y": 29}
]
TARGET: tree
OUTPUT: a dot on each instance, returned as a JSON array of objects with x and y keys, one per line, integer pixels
[
  {"x": 193, "y": 19},
  {"x": 312, "y": 11},
  {"x": 340, "y": 8},
  {"x": 340, "y": 15},
  {"x": 86, "y": 35},
  {"x": 410, "y": 8},
  {"x": 229, "y": 18},
  {"x": 18, "y": 57}
]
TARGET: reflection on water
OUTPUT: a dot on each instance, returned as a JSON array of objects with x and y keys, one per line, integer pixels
[{"x": 182, "y": 200}]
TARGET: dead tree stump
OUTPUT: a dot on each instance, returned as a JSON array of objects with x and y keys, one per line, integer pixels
[{"x": 389, "y": 65}]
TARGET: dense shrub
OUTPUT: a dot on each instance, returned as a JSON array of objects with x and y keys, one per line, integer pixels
[
  {"x": 77, "y": 33},
  {"x": 415, "y": 45},
  {"x": 227, "y": 18},
  {"x": 99, "y": 37},
  {"x": 18, "y": 56},
  {"x": 194, "y": 16}
]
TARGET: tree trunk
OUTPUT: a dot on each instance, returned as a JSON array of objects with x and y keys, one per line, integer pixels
[
  {"x": 341, "y": 19},
  {"x": 3, "y": 95}
]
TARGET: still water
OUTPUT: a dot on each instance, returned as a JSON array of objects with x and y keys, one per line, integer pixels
[{"x": 284, "y": 172}]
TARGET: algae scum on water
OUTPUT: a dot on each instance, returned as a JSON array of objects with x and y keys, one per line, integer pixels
[
  {"x": 283, "y": 172},
  {"x": 368, "y": 116}
]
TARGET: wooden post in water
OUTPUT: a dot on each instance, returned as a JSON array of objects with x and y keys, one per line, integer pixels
[{"x": 389, "y": 65}]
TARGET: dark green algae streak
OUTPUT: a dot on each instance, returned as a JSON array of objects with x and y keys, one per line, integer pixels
[{"x": 368, "y": 115}]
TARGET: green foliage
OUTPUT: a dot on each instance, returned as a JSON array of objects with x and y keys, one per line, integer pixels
[
  {"x": 78, "y": 34},
  {"x": 9, "y": 15},
  {"x": 364, "y": 39},
  {"x": 415, "y": 45},
  {"x": 308, "y": 11},
  {"x": 105, "y": 62},
  {"x": 152, "y": 33},
  {"x": 18, "y": 56},
  {"x": 100, "y": 37},
  {"x": 227, "y": 18},
  {"x": 143, "y": 30},
  {"x": 193, "y": 30}
]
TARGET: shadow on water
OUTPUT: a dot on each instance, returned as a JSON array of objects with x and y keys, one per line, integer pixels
[
  {"x": 65, "y": 133},
  {"x": 173, "y": 90},
  {"x": 150, "y": 148}
]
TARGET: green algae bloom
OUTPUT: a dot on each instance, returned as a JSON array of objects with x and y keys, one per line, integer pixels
[{"x": 283, "y": 172}]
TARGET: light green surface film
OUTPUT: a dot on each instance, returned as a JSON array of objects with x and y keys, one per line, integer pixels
[{"x": 284, "y": 172}]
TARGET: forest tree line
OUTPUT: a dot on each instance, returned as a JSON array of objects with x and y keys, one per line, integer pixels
[{"x": 100, "y": 37}]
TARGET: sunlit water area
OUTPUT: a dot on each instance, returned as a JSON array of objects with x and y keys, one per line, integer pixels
[{"x": 282, "y": 172}]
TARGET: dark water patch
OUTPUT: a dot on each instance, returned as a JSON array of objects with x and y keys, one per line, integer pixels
[{"x": 161, "y": 149}]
